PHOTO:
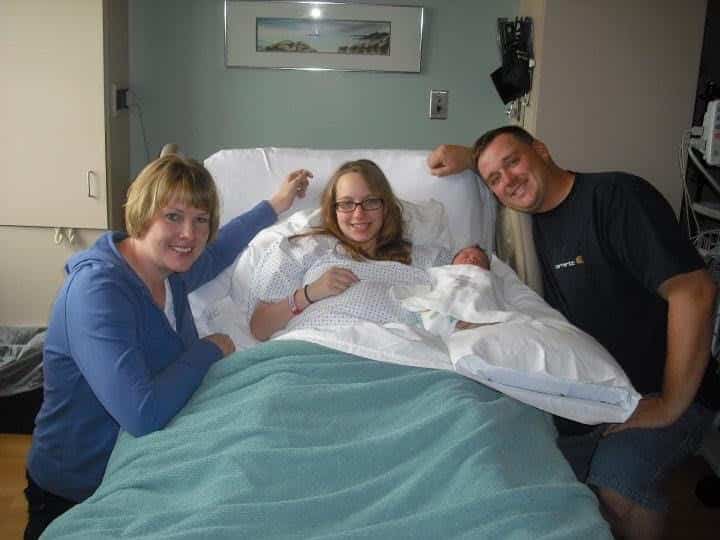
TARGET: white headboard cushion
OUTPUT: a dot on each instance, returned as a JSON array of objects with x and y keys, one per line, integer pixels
[{"x": 246, "y": 176}]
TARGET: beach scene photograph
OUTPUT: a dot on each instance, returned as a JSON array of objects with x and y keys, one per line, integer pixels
[{"x": 323, "y": 36}]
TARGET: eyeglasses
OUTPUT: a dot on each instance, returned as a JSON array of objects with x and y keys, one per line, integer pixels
[{"x": 371, "y": 203}]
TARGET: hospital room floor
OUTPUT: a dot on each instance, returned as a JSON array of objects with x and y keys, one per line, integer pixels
[{"x": 689, "y": 519}]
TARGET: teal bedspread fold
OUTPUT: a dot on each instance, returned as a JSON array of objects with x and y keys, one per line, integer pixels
[{"x": 293, "y": 440}]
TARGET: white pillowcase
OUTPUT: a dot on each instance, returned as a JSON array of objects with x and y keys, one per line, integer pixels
[{"x": 245, "y": 176}]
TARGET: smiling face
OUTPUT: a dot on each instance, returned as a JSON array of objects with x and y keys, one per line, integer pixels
[
  {"x": 516, "y": 172},
  {"x": 174, "y": 239},
  {"x": 359, "y": 226}
]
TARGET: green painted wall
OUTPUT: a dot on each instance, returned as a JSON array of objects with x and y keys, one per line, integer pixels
[{"x": 187, "y": 96}]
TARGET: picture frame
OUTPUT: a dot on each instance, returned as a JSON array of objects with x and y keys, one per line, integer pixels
[{"x": 323, "y": 36}]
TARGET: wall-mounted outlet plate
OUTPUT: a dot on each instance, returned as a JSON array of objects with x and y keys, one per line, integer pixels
[{"x": 438, "y": 104}]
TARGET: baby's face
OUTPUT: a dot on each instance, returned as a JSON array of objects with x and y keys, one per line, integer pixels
[{"x": 472, "y": 255}]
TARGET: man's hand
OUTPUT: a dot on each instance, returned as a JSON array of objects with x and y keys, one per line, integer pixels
[
  {"x": 449, "y": 159},
  {"x": 651, "y": 413}
]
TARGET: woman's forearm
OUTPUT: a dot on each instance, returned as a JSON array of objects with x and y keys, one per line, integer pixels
[{"x": 269, "y": 317}]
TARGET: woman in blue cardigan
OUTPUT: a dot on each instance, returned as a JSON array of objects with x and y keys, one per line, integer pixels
[{"x": 122, "y": 350}]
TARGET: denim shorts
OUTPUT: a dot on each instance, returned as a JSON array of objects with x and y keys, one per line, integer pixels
[{"x": 636, "y": 462}]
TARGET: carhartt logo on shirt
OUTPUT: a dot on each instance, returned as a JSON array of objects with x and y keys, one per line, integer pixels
[{"x": 574, "y": 262}]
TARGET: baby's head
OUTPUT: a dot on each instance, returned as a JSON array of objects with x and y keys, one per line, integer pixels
[{"x": 472, "y": 255}]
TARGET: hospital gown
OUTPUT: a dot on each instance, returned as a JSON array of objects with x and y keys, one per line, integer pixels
[{"x": 290, "y": 264}]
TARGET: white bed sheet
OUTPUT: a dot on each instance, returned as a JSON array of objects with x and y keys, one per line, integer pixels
[{"x": 535, "y": 355}]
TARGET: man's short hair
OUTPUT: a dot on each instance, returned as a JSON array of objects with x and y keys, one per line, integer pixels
[{"x": 486, "y": 138}]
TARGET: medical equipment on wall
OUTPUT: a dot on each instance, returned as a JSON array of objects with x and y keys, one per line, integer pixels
[
  {"x": 701, "y": 146},
  {"x": 709, "y": 140},
  {"x": 513, "y": 79}
]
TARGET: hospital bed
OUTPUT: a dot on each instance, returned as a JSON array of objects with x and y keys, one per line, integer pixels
[{"x": 336, "y": 435}]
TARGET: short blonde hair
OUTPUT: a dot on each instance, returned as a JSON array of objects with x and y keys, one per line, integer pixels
[{"x": 163, "y": 179}]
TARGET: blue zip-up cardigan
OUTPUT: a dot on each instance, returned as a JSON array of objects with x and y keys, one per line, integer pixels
[{"x": 112, "y": 360}]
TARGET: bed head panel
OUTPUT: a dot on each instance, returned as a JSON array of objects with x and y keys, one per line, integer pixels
[{"x": 246, "y": 176}]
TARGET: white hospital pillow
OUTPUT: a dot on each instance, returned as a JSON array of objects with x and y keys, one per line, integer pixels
[
  {"x": 427, "y": 223},
  {"x": 247, "y": 175}
]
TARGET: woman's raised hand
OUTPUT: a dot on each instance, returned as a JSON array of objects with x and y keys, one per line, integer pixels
[
  {"x": 333, "y": 282},
  {"x": 295, "y": 185}
]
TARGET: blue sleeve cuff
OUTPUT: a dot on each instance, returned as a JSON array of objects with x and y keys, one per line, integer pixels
[{"x": 202, "y": 354}]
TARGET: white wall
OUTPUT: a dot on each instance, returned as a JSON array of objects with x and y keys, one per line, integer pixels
[
  {"x": 616, "y": 83},
  {"x": 32, "y": 272}
]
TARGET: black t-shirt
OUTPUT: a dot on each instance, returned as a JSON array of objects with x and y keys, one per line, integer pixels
[{"x": 604, "y": 252}]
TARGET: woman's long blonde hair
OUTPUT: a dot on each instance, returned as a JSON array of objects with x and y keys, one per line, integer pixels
[{"x": 390, "y": 244}]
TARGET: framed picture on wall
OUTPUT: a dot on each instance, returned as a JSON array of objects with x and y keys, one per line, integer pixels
[{"x": 323, "y": 36}]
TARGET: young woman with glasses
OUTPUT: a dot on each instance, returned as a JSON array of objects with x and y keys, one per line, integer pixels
[{"x": 340, "y": 272}]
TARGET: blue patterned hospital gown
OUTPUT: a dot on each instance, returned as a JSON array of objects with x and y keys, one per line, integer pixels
[{"x": 289, "y": 265}]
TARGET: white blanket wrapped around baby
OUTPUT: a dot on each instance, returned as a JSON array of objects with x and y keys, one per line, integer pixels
[{"x": 458, "y": 293}]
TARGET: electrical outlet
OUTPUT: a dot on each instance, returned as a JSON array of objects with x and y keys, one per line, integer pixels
[{"x": 438, "y": 104}]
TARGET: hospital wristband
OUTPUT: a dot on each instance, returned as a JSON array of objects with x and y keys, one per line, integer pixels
[{"x": 294, "y": 309}]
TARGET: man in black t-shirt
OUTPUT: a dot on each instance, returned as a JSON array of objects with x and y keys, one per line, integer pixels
[{"x": 615, "y": 263}]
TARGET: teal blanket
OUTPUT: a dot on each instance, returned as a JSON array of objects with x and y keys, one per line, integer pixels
[{"x": 294, "y": 440}]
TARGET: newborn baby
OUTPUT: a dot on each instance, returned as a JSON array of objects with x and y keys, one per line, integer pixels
[
  {"x": 474, "y": 255},
  {"x": 461, "y": 296}
]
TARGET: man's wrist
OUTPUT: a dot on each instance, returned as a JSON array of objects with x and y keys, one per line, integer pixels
[
  {"x": 671, "y": 409},
  {"x": 469, "y": 161}
]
